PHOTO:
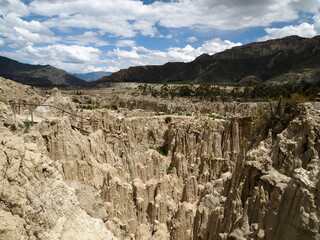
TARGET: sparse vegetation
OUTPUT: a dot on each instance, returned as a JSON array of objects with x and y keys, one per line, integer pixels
[
  {"x": 241, "y": 93},
  {"x": 160, "y": 150},
  {"x": 276, "y": 117},
  {"x": 27, "y": 125},
  {"x": 168, "y": 120},
  {"x": 169, "y": 170},
  {"x": 151, "y": 135},
  {"x": 215, "y": 116},
  {"x": 114, "y": 107},
  {"x": 89, "y": 107}
]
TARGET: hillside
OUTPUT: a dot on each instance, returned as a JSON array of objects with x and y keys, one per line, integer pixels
[
  {"x": 39, "y": 75},
  {"x": 289, "y": 59}
]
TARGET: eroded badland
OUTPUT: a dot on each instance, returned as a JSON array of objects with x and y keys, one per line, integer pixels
[{"x": 140, "y": 167}]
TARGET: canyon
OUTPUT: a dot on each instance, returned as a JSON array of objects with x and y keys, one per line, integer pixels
[{"x": 139, "y": 167}]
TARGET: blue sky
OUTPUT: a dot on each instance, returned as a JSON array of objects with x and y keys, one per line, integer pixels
[{"x": 81, "y": 36}]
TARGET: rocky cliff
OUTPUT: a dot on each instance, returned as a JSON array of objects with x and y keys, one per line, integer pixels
[
  {"x": 135, "y": 175},
  {"x": 38, "y": 75},
  {"x": 291, "y": 58}
]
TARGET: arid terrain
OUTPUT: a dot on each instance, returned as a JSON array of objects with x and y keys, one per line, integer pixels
[{"x": 113, "y": 164}]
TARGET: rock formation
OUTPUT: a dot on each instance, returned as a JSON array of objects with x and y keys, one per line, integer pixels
[{"x": 134, "y": 175}]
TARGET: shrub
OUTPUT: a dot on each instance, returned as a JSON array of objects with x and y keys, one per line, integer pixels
[
  {"x": 169, "y": 170},
  {"x": 114, "y": 107},
  {"x": 168, "y": 120},
  {"x": 27, "y": 125}
]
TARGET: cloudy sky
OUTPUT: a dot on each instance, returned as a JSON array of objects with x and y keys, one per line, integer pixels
[{"x": 81, "y": 36}]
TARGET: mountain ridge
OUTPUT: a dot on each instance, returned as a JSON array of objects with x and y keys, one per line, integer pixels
[
  {"x": 38, "y": 75},
  {"x": 291, "y": 57}
]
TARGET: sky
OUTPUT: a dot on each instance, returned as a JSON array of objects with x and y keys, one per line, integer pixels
[{"x": 82, "y": 36}]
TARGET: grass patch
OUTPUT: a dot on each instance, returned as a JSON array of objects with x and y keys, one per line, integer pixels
[
  {"x": 215, "y": 116},
  {"x": 89, "y": 107}
]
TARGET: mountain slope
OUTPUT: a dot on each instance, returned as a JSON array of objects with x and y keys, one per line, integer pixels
[
  {"x": 92, "y": 76},
  {"x": 39, "y": 75},
  {"x": 292, "y": 58}
]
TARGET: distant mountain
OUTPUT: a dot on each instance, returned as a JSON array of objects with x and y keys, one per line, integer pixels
[
  {"x": 92, "y": 76},
  {"x": 39, "y": 75},
  {"x": 289, "y": 59}
]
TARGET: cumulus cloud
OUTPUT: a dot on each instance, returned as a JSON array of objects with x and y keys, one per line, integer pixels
[
  {"x": 302, "y": 30},
  {"x": 138, "y": 55},
  {"x": 70, "y": 58},
  {"x": 122, "y": 18},
  {"x": 20, "y": 32},
  {"x": 316, "y": 19},
  {"x": 128, "y": 18},
  {"x": 92, "y": 68},
  {"x": 16, "y": 6},
  {"x": 192, "y": 39},
  {"x": 224, "y": 15},
  {"x": 125, "y": 43},
  {"x": 86, "y": 25},
  {"x": 87, "y": 38}
]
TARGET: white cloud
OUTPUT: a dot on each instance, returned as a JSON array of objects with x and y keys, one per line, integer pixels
[
  {"x": 87, "y": 38},
  {"x": 98, "y": 19},
  {"x": 125, "y": 43},
  {"x": 23, "y": 32},
  {"x": 70, "y": 58},
  {"x": 316, "y": 19},
  {"x": 225, "y": 15},
  {"x": 192, "y": 39},
  {"x": 121, "y": 18},
  {"x": 128, "y": 18},
  {"x": 118, "y": 58},
  {"x": 302, "y": 30},
  {"x": 92, "y": 68},
  {"x": 16, "y": 6}
]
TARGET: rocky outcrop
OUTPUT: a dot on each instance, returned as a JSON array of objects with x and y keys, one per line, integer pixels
[
  {"x": 180, "y": 106},
  {"x": 142, "y": 177},
  {"x": 270, "y": 194},
  {"x": 262, "y": 61}
]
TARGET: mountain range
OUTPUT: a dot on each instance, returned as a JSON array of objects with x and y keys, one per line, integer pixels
[
  {"x": 92, "y": 76},
  {"x": 38, "y": 75},
  {"x": 288, "y": 59}
]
